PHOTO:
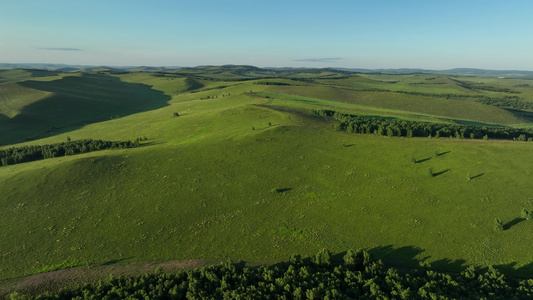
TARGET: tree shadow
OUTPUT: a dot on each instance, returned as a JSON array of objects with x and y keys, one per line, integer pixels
[
  {"x": 418, "y": 161},
  {"x": 443, "y": 153},
  {"x": 402, "y": 256},
  {"x": 512, "y": 223},
  {"x": 76, "y": 101},
  {"x": 476, "y": 176},
  {"x": 511, "y": 268},
  {"x": 114, "y": 261},
  {"x": 521, "y": 114},
  {"x": 408, "y": 258},
  {"x": 282, "y": 190},
  {"x": 440, "y": 173}
]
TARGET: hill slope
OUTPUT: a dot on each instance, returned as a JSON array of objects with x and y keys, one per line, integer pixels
[
  {"x": 33, "y": 109},
  {"x": 243, "y": 176}
]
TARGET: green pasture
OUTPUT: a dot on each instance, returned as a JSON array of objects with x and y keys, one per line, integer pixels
[
  {"x": 21, "y": 74},
  {"x": 440, "y": 107},
  {"x": 33, "y": 109},
  {"x": 246, "y": 177}
]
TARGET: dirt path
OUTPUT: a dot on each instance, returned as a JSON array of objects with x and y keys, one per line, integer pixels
[{"x": 55, "y": 280}]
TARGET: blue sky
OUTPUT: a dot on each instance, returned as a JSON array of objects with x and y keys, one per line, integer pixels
[{"x": 353, "y": 33}]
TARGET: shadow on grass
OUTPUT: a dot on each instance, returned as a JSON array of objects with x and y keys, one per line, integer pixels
[
  {"x": 440, "y": 173},
  {"x": 418, "y": 161},
  {"x": 443, "y": 153},
  {"x": 408, "y": 258},
  {"x": 115, "y": 261},
  {"x": 511, "y": 268},
  {"x": 476, "y": 176},
  {"x": 512, "y": 223},
  {"x": 281, "y": 190},
  {"x": 349, "y": 145},
  {"x": 76, "y": 101}
]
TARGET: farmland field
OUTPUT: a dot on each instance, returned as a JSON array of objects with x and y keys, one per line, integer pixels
[{"x": 235, "y": 165}]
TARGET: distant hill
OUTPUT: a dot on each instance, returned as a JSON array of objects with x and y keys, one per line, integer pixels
[
  {"x": 456, "y": 72},
  {"x": 252, "y": 71}
]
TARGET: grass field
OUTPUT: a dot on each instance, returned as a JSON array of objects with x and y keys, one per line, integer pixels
[
  {"x": 32, "y": 109},
  {"x": 246, "y": 177}
]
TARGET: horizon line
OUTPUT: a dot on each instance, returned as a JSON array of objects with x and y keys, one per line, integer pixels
[{"x": 263, "y": 67}]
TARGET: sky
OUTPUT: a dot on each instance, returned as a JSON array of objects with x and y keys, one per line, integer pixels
[{"x": 372, "y": 34}]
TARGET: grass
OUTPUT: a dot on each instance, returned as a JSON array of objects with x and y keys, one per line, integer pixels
[
  {"x": 38, "y": 108},
  {"x": 14, "y": 97},
  {"x": 440, "y": 107},
  {"x": 202, "y": 187}
]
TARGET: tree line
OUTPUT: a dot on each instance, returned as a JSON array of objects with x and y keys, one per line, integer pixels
[
  {"x": 358, "y": 276},
  {"x": 484, "y": 87},
  {"x": 443, "y": 95},
  {"x": 504, "y": 101},
  {"x": 396, "y": 127},
  {"x": 17, "y": 155},
  {"x": 508, "y": 102},
  {"x": 271, "y": 83}
]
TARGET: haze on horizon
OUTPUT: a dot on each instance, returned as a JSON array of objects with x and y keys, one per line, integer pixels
[{"x": 353, "y": 34}]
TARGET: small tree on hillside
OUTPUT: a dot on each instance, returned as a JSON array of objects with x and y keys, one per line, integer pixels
[
  {"x": 526, "y": 214},
  {"x": 498, "y": 224}
]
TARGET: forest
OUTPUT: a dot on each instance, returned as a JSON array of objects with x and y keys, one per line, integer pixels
[
  {"x": 17, "y": 155},
  {"x": 396, "y": 127},
  {"x": 358, "y": 275}
]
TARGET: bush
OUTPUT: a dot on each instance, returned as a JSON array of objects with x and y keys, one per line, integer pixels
[
  {"x": 527, "y": 214},
  {"x": 498, "y": 224}
]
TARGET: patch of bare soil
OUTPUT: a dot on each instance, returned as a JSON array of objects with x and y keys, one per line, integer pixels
[{"x": 73, "y": 277}]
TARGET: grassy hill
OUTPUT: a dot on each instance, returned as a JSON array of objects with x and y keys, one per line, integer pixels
[
  {"x": 31, "y": 109},
  {"x": 246, "y": 172}
]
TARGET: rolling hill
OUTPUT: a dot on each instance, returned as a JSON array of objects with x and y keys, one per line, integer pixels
[{"x": 247, "y": 172}]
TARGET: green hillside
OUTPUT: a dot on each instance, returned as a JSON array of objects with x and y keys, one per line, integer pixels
[
  {"x": 246, "y": 172},
  {"x": 32, "y": 109}
]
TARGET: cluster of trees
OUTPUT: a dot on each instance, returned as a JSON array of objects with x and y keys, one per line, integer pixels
[
  {"x": 271, "y": 83},
  {"x": 509, "y": 102},
  {"x": 214, "y": 97},
  {"x": 359, "y": 276},
  {"x": 11, "y": 156},
  {"x": 481, "y": 86},
  {"x": 396, "y": 127}
]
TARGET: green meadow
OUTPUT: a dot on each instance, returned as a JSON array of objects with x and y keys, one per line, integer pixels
[{"x": 247, "y": 172}]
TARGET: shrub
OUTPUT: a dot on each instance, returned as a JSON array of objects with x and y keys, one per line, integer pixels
[
  {"x": 498, "y": 224},
  {"x": 526, "y": 214}
]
